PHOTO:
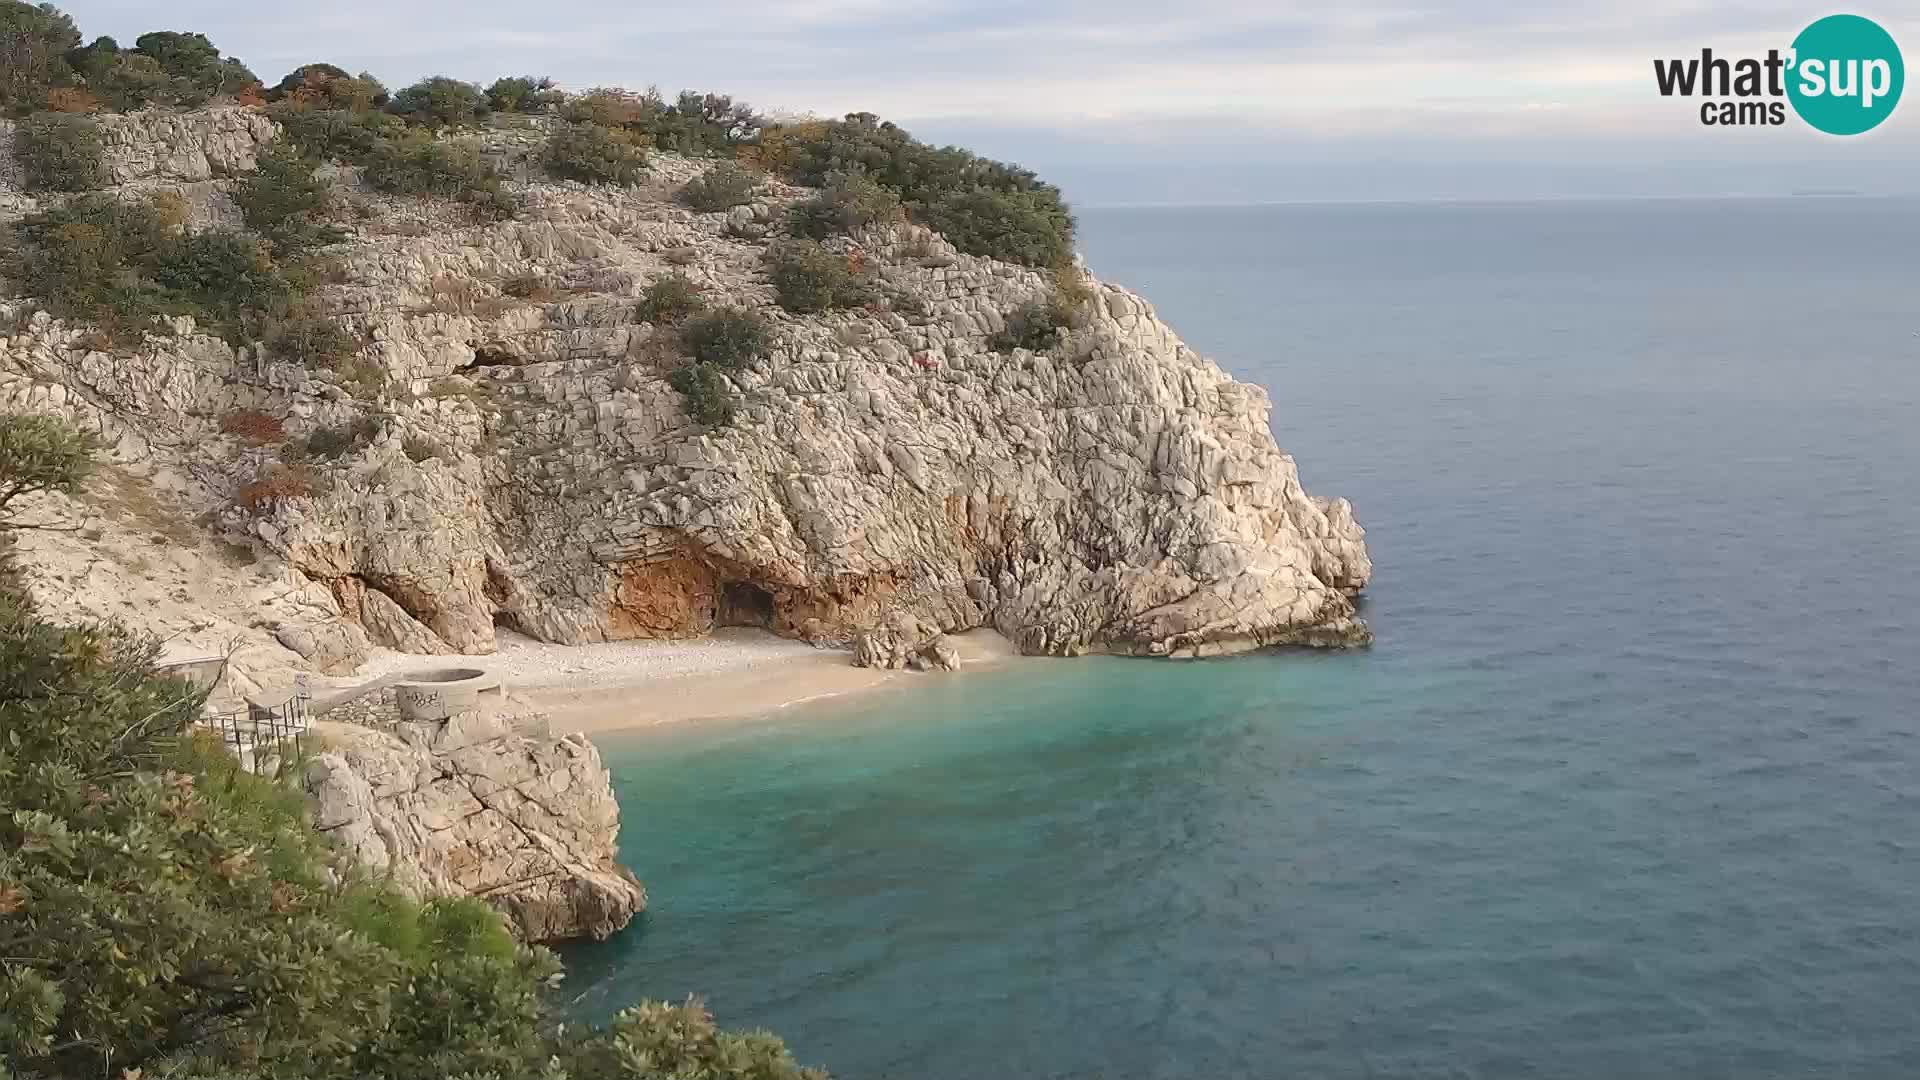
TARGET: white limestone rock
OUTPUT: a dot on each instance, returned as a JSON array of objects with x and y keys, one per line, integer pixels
[
  {"x": 1118, "y": 493},
  {"x": 527, "y": 824}
]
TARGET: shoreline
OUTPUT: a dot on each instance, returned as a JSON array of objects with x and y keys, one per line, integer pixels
[{"x": 628, "y": 686}]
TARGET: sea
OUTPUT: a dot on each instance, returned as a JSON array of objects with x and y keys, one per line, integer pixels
[{"x": 1629, "y": 785}]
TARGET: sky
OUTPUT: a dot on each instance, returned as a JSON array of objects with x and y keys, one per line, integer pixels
[{"x": 1157, "y": 101}]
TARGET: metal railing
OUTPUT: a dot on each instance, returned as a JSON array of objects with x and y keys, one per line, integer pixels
[{"x": 256, "y": 724}]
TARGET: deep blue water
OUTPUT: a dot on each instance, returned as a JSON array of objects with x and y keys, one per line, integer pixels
[{"x": 1628, "y": 787}]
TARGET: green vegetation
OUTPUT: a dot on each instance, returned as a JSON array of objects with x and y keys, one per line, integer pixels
[
  {"x": 849, "y": 202},
  {"x": 309, "y": 339},
  {"x": 1039, "y": 324},
  {"x": 285, "y": 204},
  {"x": 324, "y": 86},
  {"x": 729, "y": 338},
  {"x": 594, "y": 154},
  {"x": 60, "y": 152},
  {"x": 34, "y": 42},
  {"x": 705, "y": 392},
  {"x": 39, "y": 454},
  {"x": 983, "y": 207},
  {"x": 695, "y": 124},
  {"x": 43, "y": 65},
  {"x": 164, "y": 912},
  {"x": 808, "y": 278},
  {"x": 420, "y": 165},
  {"x": 669, "y": 298},
  {"x": 441, "y": 102},
  {"x": 1035, "y": 325},
  {"x": 342, "y": 134},
  {"x": 722, "y": 187},
  {"x": 119, "y": 264},
  {"x": 522, "y": 94},
  {"x": 166, "y": 69},
  {"x": 865, "y": 165}
]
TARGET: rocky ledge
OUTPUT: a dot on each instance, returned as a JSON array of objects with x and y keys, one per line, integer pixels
[{"x": 480, "y": 806}]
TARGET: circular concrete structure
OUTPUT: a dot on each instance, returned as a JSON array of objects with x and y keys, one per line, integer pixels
[{"x": 438, "y": 694}]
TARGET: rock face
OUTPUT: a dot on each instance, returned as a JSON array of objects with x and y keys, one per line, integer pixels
[
  {"x": 900, "y": 640},
  {"x": 470, "y": 808},
  {"x": 528, "y": 465}
]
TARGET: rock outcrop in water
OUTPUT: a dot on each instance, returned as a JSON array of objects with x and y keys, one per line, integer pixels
[
  {"x": 474, "y": 807},
  {"x": 522, "y": 461}
]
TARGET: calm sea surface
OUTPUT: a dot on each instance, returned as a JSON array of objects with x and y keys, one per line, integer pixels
[{"x": 1630, "y": 786}]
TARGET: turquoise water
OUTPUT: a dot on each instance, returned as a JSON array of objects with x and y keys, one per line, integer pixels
[{"x": 1627, "y": 788}]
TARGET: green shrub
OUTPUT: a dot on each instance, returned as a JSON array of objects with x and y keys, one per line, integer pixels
[
  {"x": 328, "y": 442},
  {"x": 34, "y": 42},
  {"x": 39, "y": 454},
  {"x": 194, "y": 67},
  {"x": 1030, "y": 227},
  {"x": 594, "y": 155},
  {"x": 1035, "y": 325},
  {"x": 522, "y": 94},
  {"x": 60, "y": 152},
  {"x": 705, "y": 392},
  {"x": 809, "y": 279},
  {"x": 427, "y": 166},
  {"x": 348, "y": 135},
  {"x": 729, "y": 338},
  {"x": 848, "y": 203},
  {"x": 440, "y": 102},
  {"x": 326, "y": 87},
  {"x": 721, "y": 187},
  {"x": 678, "y": 1041},
  {"x": 283, "y": 202},
  {"x": 220, "y": 277},
  {"x": 669, "y": 298},
  {"x": 310, "y": 340},
  {"x": 166, "y": 912},
  {"x": 92, "y": 259},
  {"x": 165, "y": 68},
  {"x": 694, "y": 124},
  {"x": 984, "y": 207}
]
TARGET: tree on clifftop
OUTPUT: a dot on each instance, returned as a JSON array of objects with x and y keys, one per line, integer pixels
[{"x": 33, "y": 44}]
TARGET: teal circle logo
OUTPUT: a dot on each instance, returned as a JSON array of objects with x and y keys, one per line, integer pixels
[{"x": 1846, "y": 75}]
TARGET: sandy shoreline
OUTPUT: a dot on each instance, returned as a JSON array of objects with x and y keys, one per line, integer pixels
[{"x": 629, "y": 685}]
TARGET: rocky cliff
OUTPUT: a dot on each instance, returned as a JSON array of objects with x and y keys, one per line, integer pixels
[
  {"x": 476, "y": 806},
  {"x": 524, "y": 463}
]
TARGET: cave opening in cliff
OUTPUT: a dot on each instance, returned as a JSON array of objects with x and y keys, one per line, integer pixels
[{"x": 743, "y": 603}]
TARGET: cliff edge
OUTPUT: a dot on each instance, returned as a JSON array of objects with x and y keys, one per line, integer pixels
[{"x": 518, "y": 458}]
